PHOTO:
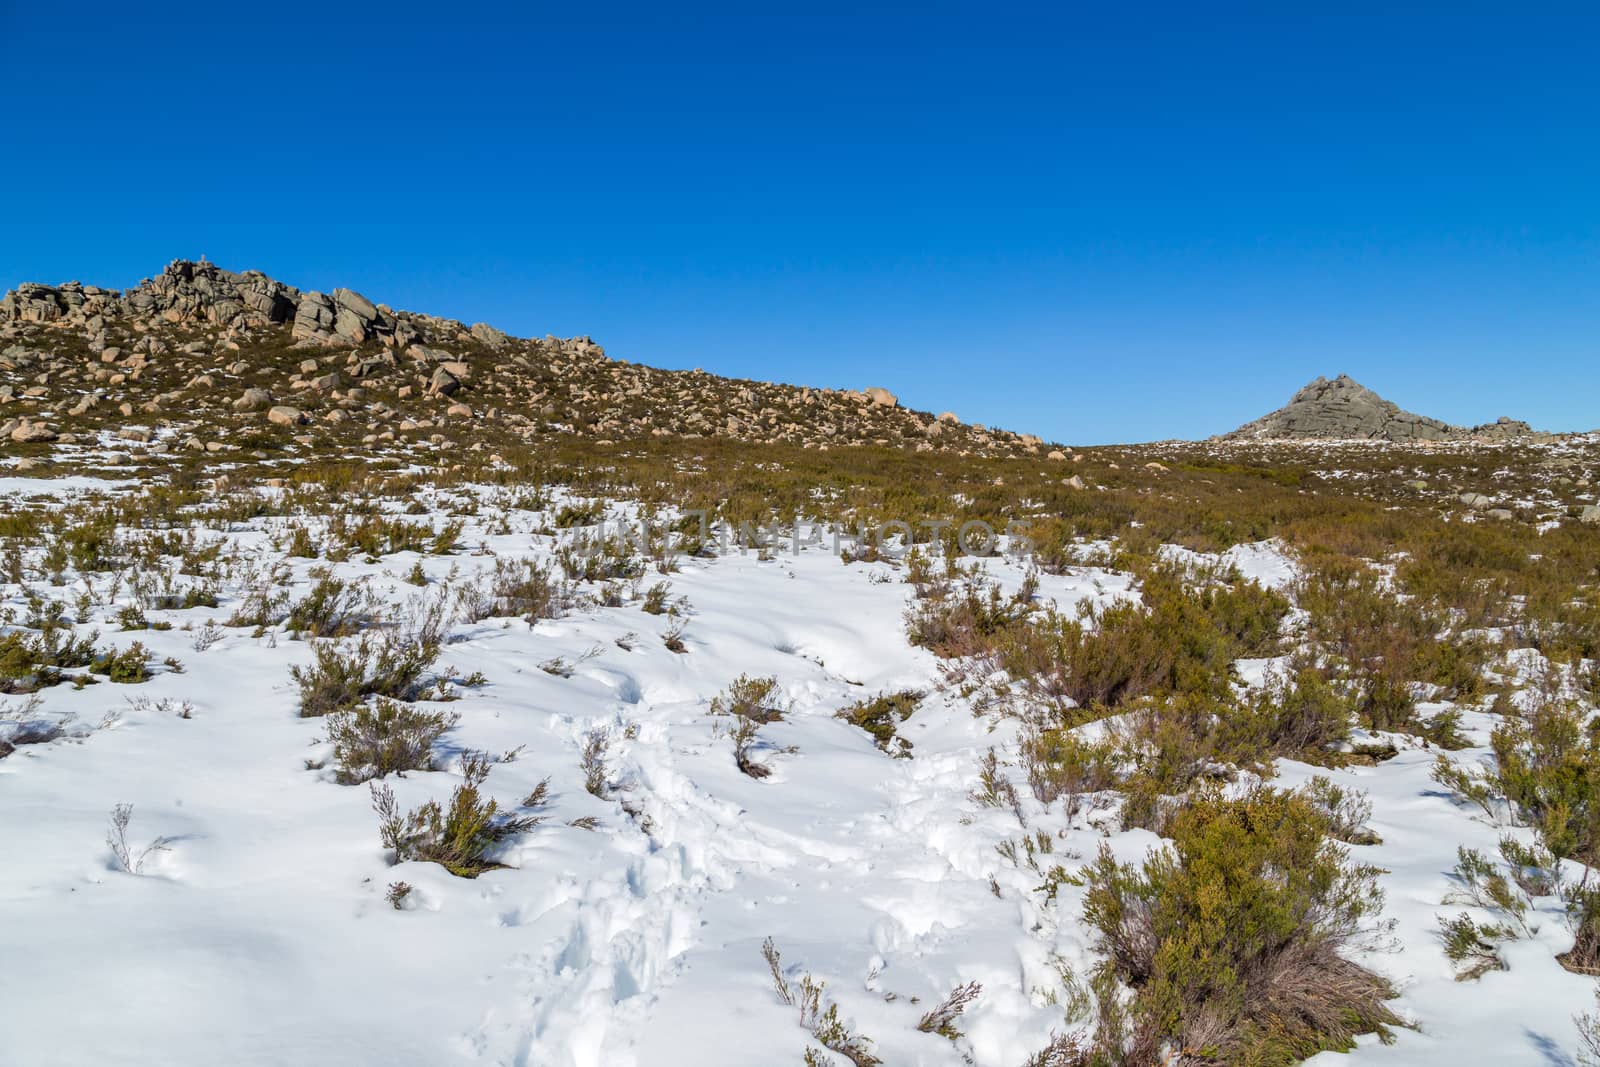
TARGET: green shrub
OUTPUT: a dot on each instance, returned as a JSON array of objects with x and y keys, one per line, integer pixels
[
  {"x": 580, "y": 514},
  {"x": 657, "y": 599},
  {"x": 524, "y": 587},
  {"x": 880, "y": 716},
  {"x": 384, "y": 737},
  {"x": 751, "y": 703},
  {"x": 1345, "y": 811},
  {"x": 964, "y": 623},
  {"x": 1473, "y": 947},
  {"x": 30, "y": 662},
  {"x": 261, "y": 607},
  {"x": 381, "y": 535},
  {"x": 1231, "y": 937},
  {"x": 389, "y": 663},
  {"x": 758, "y": 699},
  {"x": 1583, "y": 918},
  {"x": 1483, "y": 884},
  {"x": 1300, "y": 717},
  {"x": 595, "y": 558},
  {"x": 1548, "y": 768},
  {"x": 301, "y": 544},
  {"x": 1060, "y": 763},
  {"x": 1386, "y": 641},
  {"x": 332, "y": 608},
  {"x": 1180, "y": 637},
  {"x": 128, "y": 667},
  {"x": 461, "y": 838}
]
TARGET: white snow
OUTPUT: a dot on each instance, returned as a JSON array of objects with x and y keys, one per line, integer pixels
[{"x": 262, "y": 935}]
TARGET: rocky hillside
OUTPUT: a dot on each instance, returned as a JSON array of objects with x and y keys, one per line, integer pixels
[
  {"x": 1345, "y": 410},
  {"x": 205, "y": 359}
]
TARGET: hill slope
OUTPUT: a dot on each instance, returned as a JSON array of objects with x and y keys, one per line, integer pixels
[{"x": 210, "y": 359}]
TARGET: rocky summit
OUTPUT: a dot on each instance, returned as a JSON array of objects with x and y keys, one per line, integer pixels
[
  {"x": 207, "y": 359},
  {"x": 1345, "y": 410}
]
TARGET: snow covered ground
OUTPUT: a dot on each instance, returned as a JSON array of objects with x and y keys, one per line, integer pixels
[{"x": 262, "y": 933}]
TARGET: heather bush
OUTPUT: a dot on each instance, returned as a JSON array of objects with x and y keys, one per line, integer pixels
[
  {"x": 524, "y": 587},
  {"x": 390, "y": 662},
  {"x": 1583, "y": 919},
  {"x": 333, "y": 608},
  {"x": 751, "y": 703},
  {"x": 1473, "y": 947},
  {"x": 1180, "y": 637},
  {"x": 1548, "y": 768},
  {"x": 1232, "y": 937},
  {"x": 1588, "y": 1024},
  {"x": 1060, "y": 763},
  {"x": 462, "y": 837},
  {"x": 819, "y": 1015},
  {"x": 1299, "y": 716},
  {"x": 384, "y": 737},
  {"x": 599, "y": 558},
  {"x": 30, "y": 662},
  {"x": 261, "y": 606},
  {"x": 592, "y": 760},
  {"x": 124, "y": 856},
  {"x": 1345, "y": 810},
  {"x": 1160, "y": 748},
  {"x": 1387, "y": 642},
  {"x": 879, "y": 716},
  {"x": 580, "y": 513},
  {"x": 964, "y": 622},
  {"x": 127, "y": 667}
]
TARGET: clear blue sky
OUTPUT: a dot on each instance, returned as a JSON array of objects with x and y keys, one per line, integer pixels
[{"x": 1097, "y": 222}]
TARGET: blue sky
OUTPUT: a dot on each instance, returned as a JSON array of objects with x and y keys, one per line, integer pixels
[{"x": 1096, "y": 225}]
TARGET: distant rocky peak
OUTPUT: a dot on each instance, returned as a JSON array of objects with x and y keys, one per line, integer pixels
[{"x": 1343, "y": 410}]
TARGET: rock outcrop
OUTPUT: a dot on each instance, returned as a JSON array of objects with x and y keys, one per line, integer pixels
[
  {"x": 189, "y": 291},
  {"x": 1345, "y": 410}
]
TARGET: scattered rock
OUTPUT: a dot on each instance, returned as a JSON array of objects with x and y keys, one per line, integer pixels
[
  {"x": 32, "y": 432},
  {"x": 482, "y": 331},
  {"x": 443, "y": 383},
  {"x": 252, "y": 399}
]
